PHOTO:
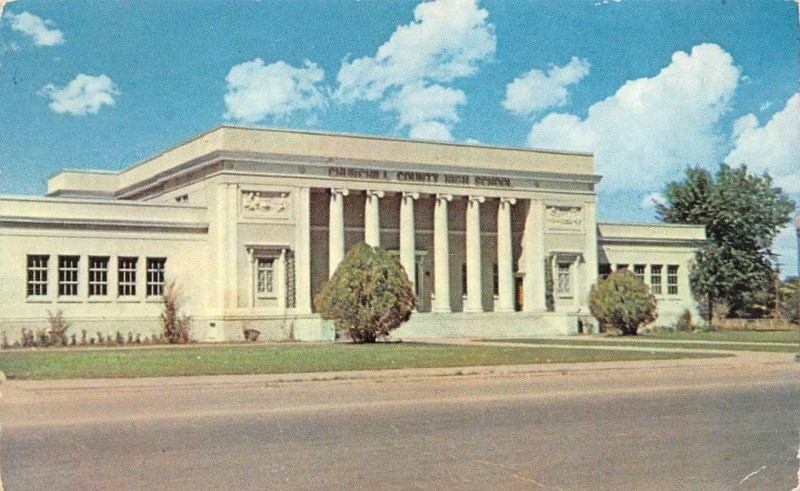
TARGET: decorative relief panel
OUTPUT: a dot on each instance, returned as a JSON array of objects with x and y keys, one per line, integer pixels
[
  {"x": 267, "y": 204},
  {"x": 564, "y": 217}
]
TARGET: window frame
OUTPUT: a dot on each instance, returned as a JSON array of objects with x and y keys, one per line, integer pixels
[
  {"x": 127, "y": 276},
  {"x": 563, "y": 270},
  {"x": 640, "y": 270},
  {"x": 672, "y": 279},
  {"x": 272, "y": 261},
  {"x": 97, "y": 277},
  {"x": 155, "y": 277},
  {"x": 68, "y": 275},
  {"x": 34, "y": 280},
  {"x": 656, "y": 279}
]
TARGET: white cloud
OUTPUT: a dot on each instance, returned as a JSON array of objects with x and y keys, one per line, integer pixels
[
  {"x": 418, "y": 106},
  {"x": 40, "y": 30},
  {"x": 83, "y": 95},
  {"x": 651, "y": 200},
  {"x": 256, "y": 90},
  {"x": 785, "y": 246},
  {"x": 536, "y": 90},
  {"x": 651, "y": 128},
  {"x": 446, "y": 41},
  {"x": 774, "y": 147}
]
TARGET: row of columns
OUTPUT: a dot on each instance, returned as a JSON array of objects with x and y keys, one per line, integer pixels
[{"x": 441, "y": 247}]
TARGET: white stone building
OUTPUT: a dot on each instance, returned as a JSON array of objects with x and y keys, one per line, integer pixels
[{"x": 251, "y": 222}]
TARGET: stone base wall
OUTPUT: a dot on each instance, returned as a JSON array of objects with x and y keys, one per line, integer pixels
[{"x": 491, "y": 325}]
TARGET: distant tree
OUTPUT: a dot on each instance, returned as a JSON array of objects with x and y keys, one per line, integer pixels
[
  {"x": 788, "y": 299},
  {"x": 622, "y": 301},
  {"x": 368, "y": 295},
  {"x": 742, "y": 213}
]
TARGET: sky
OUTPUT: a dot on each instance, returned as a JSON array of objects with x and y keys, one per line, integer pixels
[{"x": 649, "y": 86}]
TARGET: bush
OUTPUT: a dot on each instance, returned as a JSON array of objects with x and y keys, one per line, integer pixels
[
  {"x": 623, "y": 301},
  {"x": 684, "y": 323},
  {"x": 175, "y": 326},
  {"x": 367, "y": 296},
  {"x": 58, "y": 328}
]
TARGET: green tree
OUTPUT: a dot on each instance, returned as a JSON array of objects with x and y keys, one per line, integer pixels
[
  {"x": 622, "y": 301},
  {"x": 742, "y": 213},
  {"x": 368, "y": 295},
  {"x": 789, "y": 302}
]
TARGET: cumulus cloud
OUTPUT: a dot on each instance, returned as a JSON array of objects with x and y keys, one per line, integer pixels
[
  {"x": 256, "y": 90},
  {"x": 773, "y": 147},
  {"x": 536, "y": 90},
  {"x": 651, "y": 200},
  {"x": 651, "y": 128},
  {"x": 446, "y": 41},
  {"x": 83, "y": 95},
  {"x": 38, "y": 29}
]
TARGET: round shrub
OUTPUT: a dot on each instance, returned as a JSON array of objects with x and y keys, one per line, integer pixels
[
  {"x": 623, "y": 301},
  {"x": 367, "y": 296}
]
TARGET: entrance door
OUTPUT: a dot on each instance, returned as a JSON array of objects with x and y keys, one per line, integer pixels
[
  {"x": 518, "y": 295},
  {"x": 421, "y": 283}
]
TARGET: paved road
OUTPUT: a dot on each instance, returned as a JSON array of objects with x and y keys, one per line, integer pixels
[{"x": 672, "y": 428}]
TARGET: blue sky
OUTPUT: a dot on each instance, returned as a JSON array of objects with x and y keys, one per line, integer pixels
[{"x": 648, "y": 86}]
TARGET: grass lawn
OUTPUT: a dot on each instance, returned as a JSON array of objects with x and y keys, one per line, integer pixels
[
  {"x": 284, "y": 358},
  {"x": 737, "y": 336},
  {"x": 670, "y": 342}
]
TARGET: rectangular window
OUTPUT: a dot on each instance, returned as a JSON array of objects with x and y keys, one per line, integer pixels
[
  {"x": 68, "y": 276},
  {"x": 37, "y": 275},
  {"x": 655, "y": 279},
  {"x": 184, "y": 198},
  {"x": 155, "y": 276},
  {"x": 564, "y": 285},
  {"x": 638, "y": 270},
  {"x": 265, "y": 276},
  {"x": 126, "y": 270},
  {"x": 620, "y": 267},
  {"x": 672, "y": 279},
  {"x": 604, "y": 270},
  {"x": 98, "y": 276}
]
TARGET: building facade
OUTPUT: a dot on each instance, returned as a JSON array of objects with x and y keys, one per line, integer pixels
[{"x": 251, "y": 222}]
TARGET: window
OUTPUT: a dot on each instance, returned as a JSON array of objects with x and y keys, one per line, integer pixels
[
  {"x": 155, "y": 276},
  {"x": 638, "y": 270},
  {"x": 184, "y": 198},
  {"x": 68, "y": 276},
  {"x": 655, "y": 279},
  {"x": 620, "y": 267},
  {"x": 98, "y": 276},
  {"x": 604, "y": 270},
  {"x": 564, "y": 281},
  {"x": 672, "y": 279},
  {"x": 265, "y": 276},
  {"x": 37, "y": 275},
  {"x": 126, "y": 268}
]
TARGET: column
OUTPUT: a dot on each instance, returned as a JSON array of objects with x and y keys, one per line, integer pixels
[
  {"x": 534, "y": 286},
  {"x": 590, "y": 254},
  {"x": 407, "y": 231},
  {"x": 336, "y": 229},
  {"x": 441, "y": 255},
  {"x": 474, "y": 300},
  {"x": 302, "y": 257},
  {"x": 372, "y": 225},
  {"x": 505, "y": 257}
]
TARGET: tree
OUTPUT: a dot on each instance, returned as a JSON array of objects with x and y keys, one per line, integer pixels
[
  {"x": 623, "y": 301},
  {"x": 368, "y": 295},
  {"x": 789, "y": 302},
  {"x": 742, "y": 213},
  {"x": 175, "y": 326}
]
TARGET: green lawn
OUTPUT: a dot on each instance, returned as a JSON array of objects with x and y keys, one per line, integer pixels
[
  {"x": 285, "y": 358},
  {"x": 670, "y": 342},
  {"x": 728, "y": 336}
]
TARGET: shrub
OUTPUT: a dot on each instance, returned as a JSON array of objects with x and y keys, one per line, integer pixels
[
  {"x": 175, "y": 325},
  {"x": 623, "y": 301},
  {"x": 368, "y": 295},
  {"x": 58, "y": 328},
  {"x": 684, "y": 322}
]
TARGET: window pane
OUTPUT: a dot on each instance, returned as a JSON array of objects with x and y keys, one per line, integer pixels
[
  {"x": 155, "y": 276},
  {"x": 672, "y": 279},
  {"x": 127, "y": 276},
  {"x": 68, "y": 275},
  {"x": 564, "y": 281},
  {"x": 655, "y": 279},
  {"x": 98, "y": 276},
  {"x": 37, "y": 275},
  {"x": 265, "y": 272}
]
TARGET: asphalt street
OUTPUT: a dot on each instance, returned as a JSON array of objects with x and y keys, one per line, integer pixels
[{"x": 715, "y": 427}]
